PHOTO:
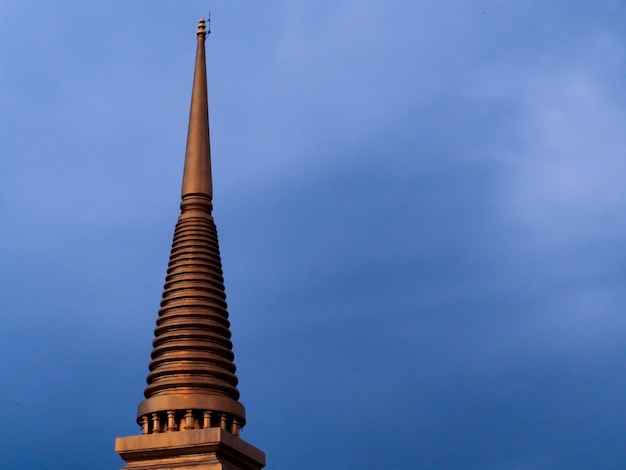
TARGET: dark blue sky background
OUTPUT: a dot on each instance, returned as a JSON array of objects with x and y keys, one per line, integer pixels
[{"x": 421, "y": 208}]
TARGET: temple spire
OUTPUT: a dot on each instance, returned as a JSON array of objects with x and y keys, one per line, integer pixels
[
  {"x": 197, "y": 174},
  {"x": 191, "y": 416},
  {"x": 192, "y": 382},
  {"x": 192, "y": 365}
]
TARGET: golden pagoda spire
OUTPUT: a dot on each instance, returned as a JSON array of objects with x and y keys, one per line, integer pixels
[
  {"x": 192, "y": 382},
  {"x": 191, "y": 416}
]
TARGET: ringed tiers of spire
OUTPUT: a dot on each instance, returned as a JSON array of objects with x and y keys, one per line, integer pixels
[{"x": 192, "y": 382}]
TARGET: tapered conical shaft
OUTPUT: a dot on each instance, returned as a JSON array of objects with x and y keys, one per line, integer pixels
[
  {"x": 192, "y": 382},
  {"x": 197, "y": 173}
]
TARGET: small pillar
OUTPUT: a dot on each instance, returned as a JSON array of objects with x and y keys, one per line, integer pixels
[
  {"x": 156, "y": 423},
  {"x": 234, "y": 427},
  {"x": 145, "y": 427},
  {"x": 171, "y": 421},
  {"x": 189, "y": 419},
  {"x": 206, "y": 422}
]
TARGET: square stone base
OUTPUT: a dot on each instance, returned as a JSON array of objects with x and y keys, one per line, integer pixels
[{"x": 199, "y": 449}]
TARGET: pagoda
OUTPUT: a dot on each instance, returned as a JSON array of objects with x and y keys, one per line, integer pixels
[{"x": 191, "y": 418}]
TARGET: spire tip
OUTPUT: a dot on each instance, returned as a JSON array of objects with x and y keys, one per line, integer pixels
[{"x": 201, "y": 28}]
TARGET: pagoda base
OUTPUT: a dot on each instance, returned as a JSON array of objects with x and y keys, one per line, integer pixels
[{"x": 199, "y": 449}]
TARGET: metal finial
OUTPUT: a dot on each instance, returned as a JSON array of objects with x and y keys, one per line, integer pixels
[{"x": 201, "y": 27}]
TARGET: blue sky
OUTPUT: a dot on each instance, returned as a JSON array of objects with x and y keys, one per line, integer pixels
[{"x": 421, "y": 209}]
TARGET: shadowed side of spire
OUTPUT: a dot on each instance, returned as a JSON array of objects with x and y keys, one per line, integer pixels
[
  {"x": 192, "y": 382},
  {"x": 197, "y": 174}
]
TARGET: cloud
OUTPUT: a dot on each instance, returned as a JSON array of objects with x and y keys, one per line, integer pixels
[{"x": 563, "y": 173}]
